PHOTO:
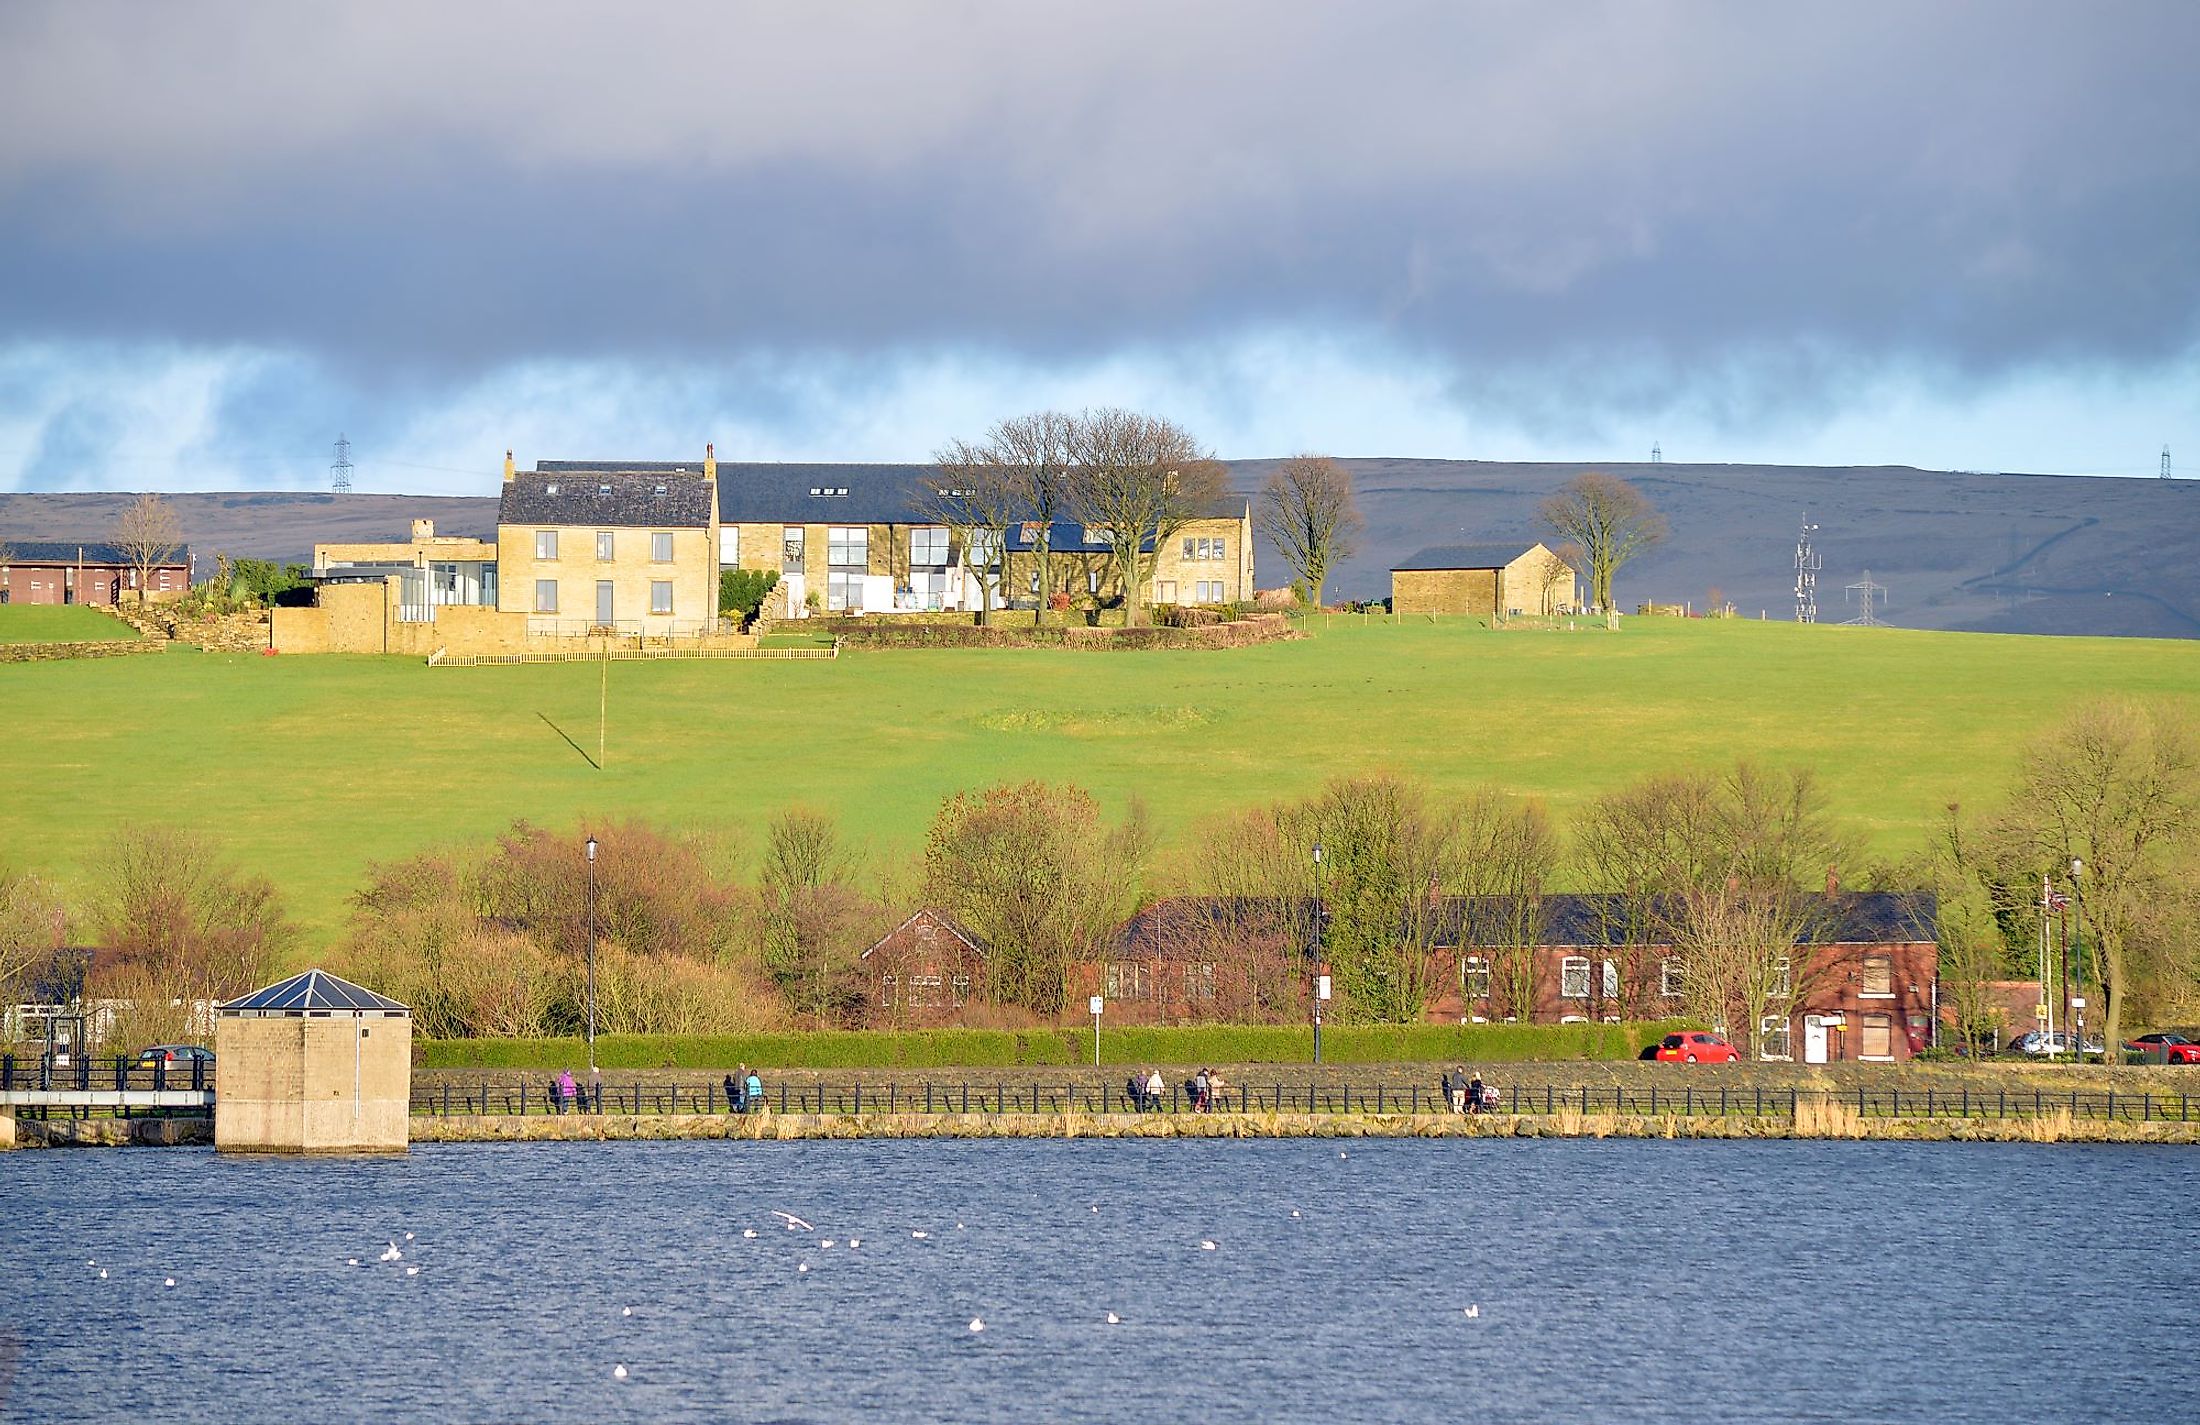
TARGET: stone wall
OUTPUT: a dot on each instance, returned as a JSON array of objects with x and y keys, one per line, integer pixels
[
  {"x": 1260, "y": 628},
  {"x": 91, "y": 648}
]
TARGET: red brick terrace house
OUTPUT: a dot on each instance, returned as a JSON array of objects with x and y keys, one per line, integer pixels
[
  {"x": 923, "y": 971},
  {"x": 78, "y": 572},
  {"x": 1863, "y": 977}
]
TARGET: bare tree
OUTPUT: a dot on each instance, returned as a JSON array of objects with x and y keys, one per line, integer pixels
[
  {"x": 1387, "y": 854},
  {"x": 2116, "y": 787},
  {"x": 1308, "y": 510},
  {"x": 1135, "y": 482},
  {"x": 1739, "y": 953},
  {"x": 1038, "y": 876},
  {"x": 1037, "y": 450},
  {"x": 180, "y": 927},
  {"x": 812, "y": 915},
  {"x": 1609, "y": 520},
  {"x": 1507, "y": 855},
  {"x": 1965, "y": 876},
  {"x": 150, "y": 538},
  {"x": 977, "y": 494},
  {"x": 33, "y": 923}
]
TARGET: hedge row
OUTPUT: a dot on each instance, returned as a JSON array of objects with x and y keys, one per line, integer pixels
[{"x": 1007, "y": 1049}]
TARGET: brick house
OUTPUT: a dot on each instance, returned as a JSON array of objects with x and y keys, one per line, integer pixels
[
  {"x": 1483, "y": 579},
  {"x": 1861, "y": 983},
  {"x": 84, "y": 572},
  {"x": 923, "y": 971}
]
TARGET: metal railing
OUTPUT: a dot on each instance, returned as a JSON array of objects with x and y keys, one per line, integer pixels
[
  {"x": 539, "y": 1096},
  {"x": 86, "y": 1073}
]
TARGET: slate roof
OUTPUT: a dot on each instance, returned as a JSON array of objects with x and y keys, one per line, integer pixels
[
  {"x": 825, "y": 493},
  {"x": 582, "y": 495},
  {"x": 1066, "y": 537},
  {"x": 1171, "y": 925},
  {"x": 1466, "y": 556},
  {"x": 315, "y": 989},
  {"x": 65, "y": 551}
]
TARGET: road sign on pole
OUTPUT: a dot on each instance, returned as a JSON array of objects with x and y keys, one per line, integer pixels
[{"x": 1096, "y": 1005}]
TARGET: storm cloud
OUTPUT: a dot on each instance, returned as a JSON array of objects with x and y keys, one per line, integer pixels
[{"x": 1591, "y": 207}]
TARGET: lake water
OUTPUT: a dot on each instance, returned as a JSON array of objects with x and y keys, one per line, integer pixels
[{"x": 1614, "y": 1280}]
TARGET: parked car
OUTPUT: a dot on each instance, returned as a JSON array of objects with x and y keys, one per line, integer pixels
[
  {"x": 178, "y": 1057},
  {"x": 2166, "y": 1047},
  {"x": 1696, "y": 1047},
  {"x": 2041, "y": 1044}
]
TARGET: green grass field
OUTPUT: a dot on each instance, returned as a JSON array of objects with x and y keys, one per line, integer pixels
[
  {"x": 57, "y": 623},
  {"x": 309, "y": 768}
]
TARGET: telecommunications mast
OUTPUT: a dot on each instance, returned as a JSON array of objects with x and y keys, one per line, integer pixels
[{"x": 1807, "y": 565}]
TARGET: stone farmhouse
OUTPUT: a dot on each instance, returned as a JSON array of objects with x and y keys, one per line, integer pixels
[
  {"x": 84, "y": 572},
  {"x": 1862, "y": 984},
  {"x": 632, "y": 550},
  {"x": 1483, "y": 579}
]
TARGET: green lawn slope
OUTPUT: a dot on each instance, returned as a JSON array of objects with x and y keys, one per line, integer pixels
[
  {"x": 309, "y": 768},
  {"x": 57, "y": 623}
]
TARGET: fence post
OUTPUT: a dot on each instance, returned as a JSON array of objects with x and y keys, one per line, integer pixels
[{"x": 859, "y": 1095}]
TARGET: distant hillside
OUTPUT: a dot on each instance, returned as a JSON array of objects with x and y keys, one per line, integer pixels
[{"x": 2009, "y": 553}]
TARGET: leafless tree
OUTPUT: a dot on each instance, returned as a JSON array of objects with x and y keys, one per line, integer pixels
[
  {"x": 978, "y": 493},
  {"x": 1610, "y": 520},
  {"x": 1037, "y": 874},
  {"x": 1506, "y": 857},
  {"x": 1388, "y": 852},
  {"x": 1037, "y": 448},
  {"x": 177, "y": 925},
  {"x": 2116, "y": 787},
  {"x": 812, "y": 915},
  {"x": 1967, "y": 880},
  {"x": 1557, "y": 577},
  {"x": 1135, "y": 481},
  {"x": 150, "y": 537},
  {"x": 33, "y": 924},
  {"x": 1308, "y": 510},
  {"x": 1739, "y": 953}
]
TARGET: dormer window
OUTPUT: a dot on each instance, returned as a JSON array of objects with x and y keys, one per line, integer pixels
[
  {"x": 603, "y": 489},
  {"x": 660, "y": 492},
  {"x": 551, "y": 488}
]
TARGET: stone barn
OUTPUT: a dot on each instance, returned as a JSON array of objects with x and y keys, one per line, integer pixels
[
  {"x": 314, "y": 1064},
  {"x": 1483, "y": 579}
]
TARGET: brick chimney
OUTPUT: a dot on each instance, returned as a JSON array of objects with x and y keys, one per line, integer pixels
[
  {"x": 710, "y": 462},
  {"x": 423, "y": 531},
  {"x": 509, "y": 468}
]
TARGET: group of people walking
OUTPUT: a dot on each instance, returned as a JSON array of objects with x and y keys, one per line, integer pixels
[
  {"x": 744, "y": 1091},
  {"x": 569, "y": 1095},
  {"x": 1146, "y": 1090},
  {"x": 1466, "y": 1093}
]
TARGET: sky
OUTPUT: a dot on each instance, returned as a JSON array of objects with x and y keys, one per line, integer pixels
[{"x": 1958, "y": 235}]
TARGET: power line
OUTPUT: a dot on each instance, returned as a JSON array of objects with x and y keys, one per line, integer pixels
[
  {"x": 339, "y": 474},
  {"x": 1867, "y": 595}
]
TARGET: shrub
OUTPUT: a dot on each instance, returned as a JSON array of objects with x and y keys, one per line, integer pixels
[{"x": 742, "y": 591}]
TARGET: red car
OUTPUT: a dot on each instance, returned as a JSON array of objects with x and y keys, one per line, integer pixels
[
  {"x": 1696, "y": 1048},
  {"x": 2166, "y": 1048}
]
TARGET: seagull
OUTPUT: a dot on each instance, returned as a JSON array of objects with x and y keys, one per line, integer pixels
[
  {"x": 920, "y": 1236},
  {"x": 977, "y": 1324},
  {"x": 855, "y": 1241},
  {"x": 826, "y": 1244},
  {"x": 1096, "y": 1207},
  {"x": 408, "y": 1236},
  {"x": 793, "y": 1222},
  {"x": 1294, "y": 1212},
  {"x": 351, "y": 1261},
  {"x": 171, "y": 1281},
  {"x": 1206, "y": 1246},
  {"x": 412, "y": 1271},
  {"x": 958, "y": 1227},
  {"x": 618, "y": 1372},
  {"x": 393, "y": 1255},
  {"x": 626, "y": 1311},
  {"x": 1474, "y": 1313},
  {"x": 1342, "y": 1154},
  {"x": 748, "y": 1232},
  {"x": 805, "y": 1266},
  {"x": 103, "y": 1274},
  {"x": 1114, "y": 1320}
]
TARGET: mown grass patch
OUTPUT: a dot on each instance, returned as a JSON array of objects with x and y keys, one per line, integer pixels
[{"x": 58, "y": 623}]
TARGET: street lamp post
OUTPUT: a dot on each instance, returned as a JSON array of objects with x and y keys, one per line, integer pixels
[
  {"x": 1321, "y": 967},
  {"x": 591, "y": 955}
]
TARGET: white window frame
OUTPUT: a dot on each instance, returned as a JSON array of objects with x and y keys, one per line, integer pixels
[
  {"x": 607, "y": 547},
  {"x": 660, "y": 596},
  {"x": 1474, "y": 976},
  {"x": 1611, "y": 981},
  {"x": 1199, "y": 981},
  {"x": 843, "y": 590},
  {"x": 1128, "y": 980},
  {"x": 729, "y": 546},
  {"x": 546, "y": 545},
  {"x": 927, "y": 991},
  {"x": 660, "y": 546},
  {"x": 842, "y": 540},
  {"x": 1776, "y": 1028},
  {"x": 929, "y": 545},
  {"x": 1783, "y": 977},
  {"x": 542, "y": 605},
  {"x": 794, "y": 544},
  {"x": 1573, "y": 977},
  {"x": 888, "y": 986},
  {"x": 1669, "y": 978}
]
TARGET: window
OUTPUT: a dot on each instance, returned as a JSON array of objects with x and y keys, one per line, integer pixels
[
  {"x": 1878, "y": 976},
  {"x": 606, "y": 546},
  {"x": 1772, "y": 1038},
  {"x": 928, "y": 546},
  {"x": 1474, "y": 977},
  {"x": 1191, "y": 545},
  {"x": 1127, "y": 979},
  {"x": 729, "y": 546},
  {"x": 959, "y": 987},
  {"x": 546, "y": 544},
  {"x": 926, "y": 992},
  {"x": 843, "y": 591},
  {"x": 551, "y": 488},
  {"x": 1099, "y": 536},
  {"x": 1669, "y": 978},
  {"x": 1573, "y": 977},
  {"x": 660, "y": 547},
  {"x": 1207, "y": 591},
  {"x": 546, "y": 596},
  {"x": 1878, "y": 1039},
  {"x": 1199, "y": 982},
  {"x": 886, "y": 984},
  {"x": 1611, "y": 980},
  {"x": 848, "y": 546},
  {"x": 660, "y": 596},
  {"x": 791, "y": 546},
  {"x": 1092, "y": 581},
  {"x": 1205, "y": 549},
  {"x": 1164, "y": 591},
  {"x": 1783, "y": 978}
]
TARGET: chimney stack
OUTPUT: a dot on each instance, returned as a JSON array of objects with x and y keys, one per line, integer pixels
[
  {"x": 508, "y": 466},
  {"x": 710, "y": 461},
  {"x": 1833, "y": 882}
]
